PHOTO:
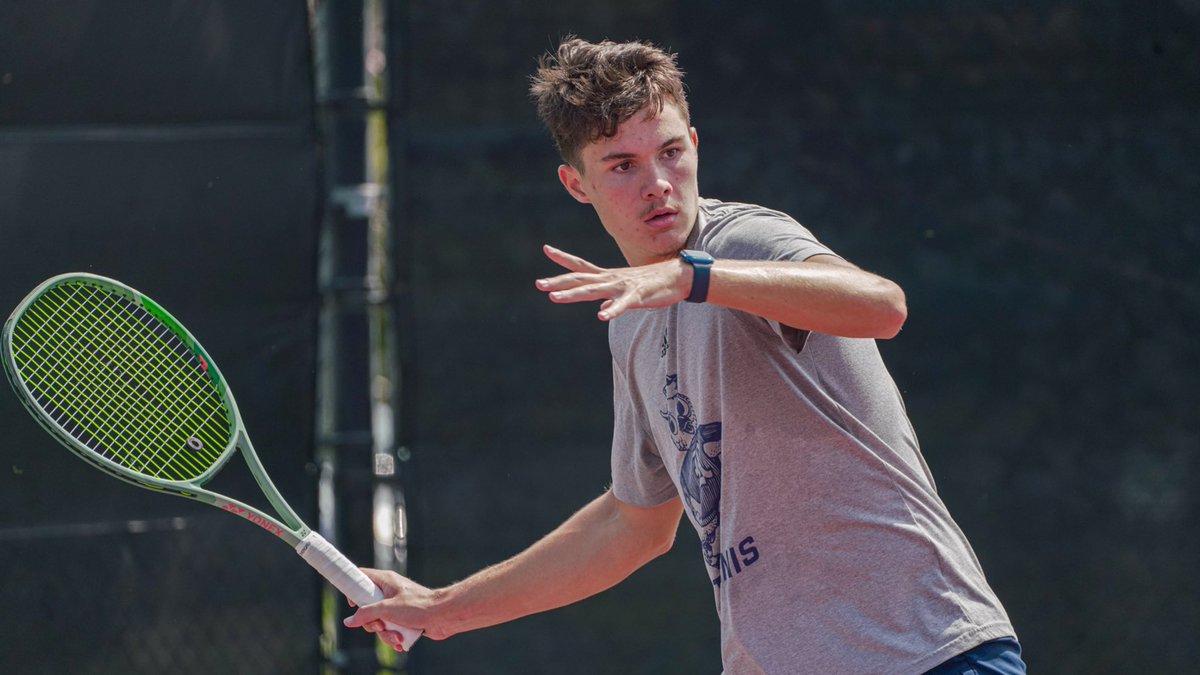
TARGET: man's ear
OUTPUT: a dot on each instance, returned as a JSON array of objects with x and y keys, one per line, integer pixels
[
  {"x": 695, "y": 138},
  {"x": 573, "y": 182}
]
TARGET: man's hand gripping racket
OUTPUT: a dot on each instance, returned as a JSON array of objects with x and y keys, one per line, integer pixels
[{"x": 123, "y": 385}]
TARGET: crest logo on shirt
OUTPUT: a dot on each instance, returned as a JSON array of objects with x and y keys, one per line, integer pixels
[{"x": 700, "y": 472}]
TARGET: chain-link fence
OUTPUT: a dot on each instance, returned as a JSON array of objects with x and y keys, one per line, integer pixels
[{"x": 192, "y": 594}]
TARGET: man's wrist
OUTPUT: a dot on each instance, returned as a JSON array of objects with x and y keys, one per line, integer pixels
[{"x": 701, "y": 264}]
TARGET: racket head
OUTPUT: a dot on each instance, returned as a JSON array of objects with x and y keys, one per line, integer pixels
[{"x": 120, "y": 382}]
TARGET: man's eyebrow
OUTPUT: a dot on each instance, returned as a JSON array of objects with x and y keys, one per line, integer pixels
[{"x": 629, "y": 155}]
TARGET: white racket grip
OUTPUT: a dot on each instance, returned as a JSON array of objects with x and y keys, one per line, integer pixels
[{"x": 347, "y": 578}]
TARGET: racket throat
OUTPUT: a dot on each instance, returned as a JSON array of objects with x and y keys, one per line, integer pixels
[{"x": 290, "y": 519}]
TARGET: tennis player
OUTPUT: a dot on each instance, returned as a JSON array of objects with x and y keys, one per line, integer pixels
[{"x": 749, "y": 394}]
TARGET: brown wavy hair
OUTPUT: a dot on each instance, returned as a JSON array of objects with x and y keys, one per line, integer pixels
[{"x": 584, "y": 91}]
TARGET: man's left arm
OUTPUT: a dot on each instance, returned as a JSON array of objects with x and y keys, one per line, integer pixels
[{"x": 823, "y": 294}]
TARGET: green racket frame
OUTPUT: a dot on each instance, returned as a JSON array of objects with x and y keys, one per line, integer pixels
[{"x": 288, "y": 526}]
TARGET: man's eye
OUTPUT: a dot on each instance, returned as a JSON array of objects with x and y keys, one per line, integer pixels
[
  {"x": 671, "y": 153},
  {"x": 623, "y": 167}
]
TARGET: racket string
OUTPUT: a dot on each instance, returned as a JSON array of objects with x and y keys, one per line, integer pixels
[
  {"x": 161, "y": 347},
  {"x": 138, "y": 458},
  {"x": 89, "y": 382},
  {"x": 53, "y": 367},
  {"x": 169, "y": 374},
  {"x": 127, "y": 386}
]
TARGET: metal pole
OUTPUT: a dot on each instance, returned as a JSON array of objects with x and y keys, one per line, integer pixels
[{"x": 362, "y": 508}]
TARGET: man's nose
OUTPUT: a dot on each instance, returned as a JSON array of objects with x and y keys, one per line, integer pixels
[{"x": 658, "y": 185}]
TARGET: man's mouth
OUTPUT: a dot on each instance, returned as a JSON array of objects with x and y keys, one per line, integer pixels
[{"x": 661, "y": 217}]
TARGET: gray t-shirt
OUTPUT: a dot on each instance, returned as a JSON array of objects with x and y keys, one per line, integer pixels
[{"x": 828, "y": 548}]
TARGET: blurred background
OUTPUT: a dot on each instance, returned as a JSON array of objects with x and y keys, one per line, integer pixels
[{"x": 345, "y": 202}]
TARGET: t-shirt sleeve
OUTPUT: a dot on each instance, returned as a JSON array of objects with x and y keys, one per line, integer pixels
[
  {"x": 748, "y": 232},
  {"x": 751, "y": 232},
  {"x": 638, "y": 474}
]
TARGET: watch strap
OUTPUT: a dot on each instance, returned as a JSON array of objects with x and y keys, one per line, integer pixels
[{"x": 701, "y": 263}]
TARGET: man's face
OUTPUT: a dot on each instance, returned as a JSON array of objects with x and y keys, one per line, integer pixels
[{"x": 642, "y": 183}]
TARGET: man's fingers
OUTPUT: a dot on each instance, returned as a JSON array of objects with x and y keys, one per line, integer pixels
[
  {"x": 375, "y": 626},
  {"x": 616, "y": 300},
  {"x": 378, "y": 576},
  {"x": 647, "y": 286},
  {"x": 392, "y": 638},
  {"x": 603, "y": 291},
  {"x": 571, "y": 262},
  {"x": 565, "y": 281},
  {"x": 363, "y": 618},
  {"x": 613, "y": 308}
]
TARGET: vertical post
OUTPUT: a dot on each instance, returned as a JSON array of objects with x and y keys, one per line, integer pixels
[
  {"x": 389, "y": 510},
  {"x": 361, "y": 504}
]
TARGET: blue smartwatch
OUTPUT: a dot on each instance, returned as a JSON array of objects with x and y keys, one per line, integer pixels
[{"x": 701, "y": 263}]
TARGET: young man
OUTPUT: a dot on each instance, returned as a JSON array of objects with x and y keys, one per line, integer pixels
[{"x": 750, "y": 396}]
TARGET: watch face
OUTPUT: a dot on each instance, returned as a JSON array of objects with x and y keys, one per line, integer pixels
[{"x": 696, "y": 256}]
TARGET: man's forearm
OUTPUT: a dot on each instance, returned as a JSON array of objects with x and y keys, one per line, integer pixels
[
  {"x": 823, "y": 294},
  {"x": 826, "y": 296},
  {"x": 596, "y": 548}
]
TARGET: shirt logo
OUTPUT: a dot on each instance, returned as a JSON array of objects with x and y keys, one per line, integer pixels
[
  {"x": 700, "y": 483},
  {"x": 700, "y": 473}
]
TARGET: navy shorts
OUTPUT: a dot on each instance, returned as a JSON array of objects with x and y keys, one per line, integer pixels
[{"x": 998, "y": 657}]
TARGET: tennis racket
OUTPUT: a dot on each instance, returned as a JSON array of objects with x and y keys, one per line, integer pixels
[{"x": 123, "y": 385}]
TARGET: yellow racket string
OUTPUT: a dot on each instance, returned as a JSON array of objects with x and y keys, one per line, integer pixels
[{"x": 121, "y": 382}]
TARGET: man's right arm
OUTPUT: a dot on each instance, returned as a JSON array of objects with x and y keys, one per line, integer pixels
[{"x": 599, "y": 546}]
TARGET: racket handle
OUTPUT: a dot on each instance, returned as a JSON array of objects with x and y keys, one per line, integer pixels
[{"x": 347, "y": 578}]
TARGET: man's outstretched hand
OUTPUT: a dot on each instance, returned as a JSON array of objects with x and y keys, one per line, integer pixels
[{"x": 623, "y": 288}]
